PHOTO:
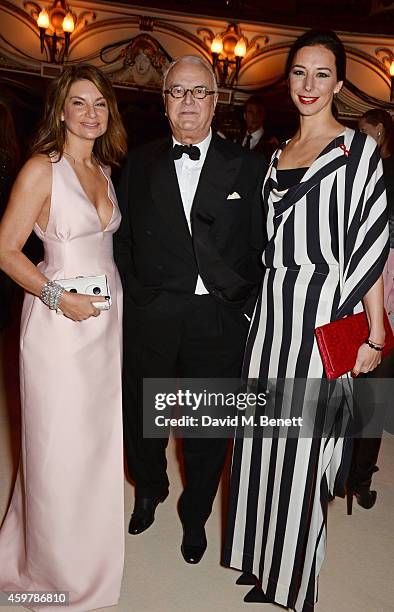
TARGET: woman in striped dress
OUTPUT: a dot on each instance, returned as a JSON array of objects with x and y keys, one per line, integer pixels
[{"x": 327, "y": 245}]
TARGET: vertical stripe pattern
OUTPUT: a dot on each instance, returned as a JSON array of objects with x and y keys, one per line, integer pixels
[{"x": 327, "y": 245}]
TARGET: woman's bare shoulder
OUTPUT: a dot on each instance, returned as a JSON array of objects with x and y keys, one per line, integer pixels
[
  {"x": 34, "y": 180},
  {"x": 37, "y": 169},
  {"x": 39, "y": 163}
]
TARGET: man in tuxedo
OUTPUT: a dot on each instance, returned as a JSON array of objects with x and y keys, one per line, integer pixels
[
  {"x": 188, "y": 250},
  {"x": 256, "y": 138}
]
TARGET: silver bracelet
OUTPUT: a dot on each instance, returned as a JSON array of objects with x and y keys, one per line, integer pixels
[{"x": 51, "y": 294}]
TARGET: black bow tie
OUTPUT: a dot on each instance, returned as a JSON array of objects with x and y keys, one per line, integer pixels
[{"x": 191, "y": 150}]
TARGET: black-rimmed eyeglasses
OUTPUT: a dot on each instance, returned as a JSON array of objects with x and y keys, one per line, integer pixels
[{"x": 200, "y": 92}]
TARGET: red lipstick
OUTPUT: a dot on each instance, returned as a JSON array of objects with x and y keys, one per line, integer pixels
[{"x": 307, "y": 100}]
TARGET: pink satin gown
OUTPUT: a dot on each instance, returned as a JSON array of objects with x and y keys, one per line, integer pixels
[{"x": 64, "y": 529}]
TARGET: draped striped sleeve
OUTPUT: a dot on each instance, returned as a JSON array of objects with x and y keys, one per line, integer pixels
[{"x": 363, "y": 222}]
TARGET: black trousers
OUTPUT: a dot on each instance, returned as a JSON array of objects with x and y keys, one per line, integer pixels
[
  {"x": 178, "y": 336},
  {"x": 366, "y": 450}
]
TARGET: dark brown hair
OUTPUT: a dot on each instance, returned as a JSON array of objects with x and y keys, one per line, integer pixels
[
  {"x": 374, "y": 116},
  {"x": 256, "y": 100},
  {"x": 111, "y": 147},
  {"x": 325, "y": 38}
]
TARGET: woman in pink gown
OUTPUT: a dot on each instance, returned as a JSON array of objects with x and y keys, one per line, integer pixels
[{"x": 64, "y": 528}]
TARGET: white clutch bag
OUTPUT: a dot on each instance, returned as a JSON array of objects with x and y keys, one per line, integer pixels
[{"x": 89, "y": 285}]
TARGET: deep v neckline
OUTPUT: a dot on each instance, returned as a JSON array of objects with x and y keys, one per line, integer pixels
[{"x": 103, "y": 228}]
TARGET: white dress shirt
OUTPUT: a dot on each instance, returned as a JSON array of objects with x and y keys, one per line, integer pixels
[
  {"x": 188, "y": 173},
  {"x": 255, "y": 138}
]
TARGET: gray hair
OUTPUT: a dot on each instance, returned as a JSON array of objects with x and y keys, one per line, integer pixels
[{"x": 191, "y": 59}]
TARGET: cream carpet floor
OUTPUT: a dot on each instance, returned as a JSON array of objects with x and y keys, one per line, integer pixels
[{"x": 357, "y": 576}]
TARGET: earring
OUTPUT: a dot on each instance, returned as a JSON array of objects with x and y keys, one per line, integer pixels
[{"x": 379, "y": 134}]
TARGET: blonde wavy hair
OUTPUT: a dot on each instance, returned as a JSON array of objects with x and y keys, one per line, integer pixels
[{"x": 111, "y": 147}]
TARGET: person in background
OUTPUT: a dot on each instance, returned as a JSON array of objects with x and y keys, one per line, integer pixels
[
  {"x": 377, "y": 123},
  {"x": 64, "y": 527},
  {"x": 257, "y": 138}
]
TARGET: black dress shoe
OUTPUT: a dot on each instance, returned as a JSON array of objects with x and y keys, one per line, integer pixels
[
  {"x": 194, "y": 545},
  {"x": 144, "y": 513}
]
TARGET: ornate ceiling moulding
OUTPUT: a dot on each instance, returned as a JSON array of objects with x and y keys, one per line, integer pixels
[
  {"x": 371, "y": 101},
  {"x": 382, "y": 65},
  {"x": 58, "y": 25},
  {"x": 140, "y": 63},
  {"x": 348, "y": 105},
  {"x": 260, "y": 57},
  {"x": 184, "y": 36},
  {"x": 386, "y": 56},
  {"x": 367, "y": 60},
  {"x": 8, "y": 63},
  {"x": 13, "y": 53},
  {"x": 230, "y": 51},
  {"x": 145, "y": 24}
]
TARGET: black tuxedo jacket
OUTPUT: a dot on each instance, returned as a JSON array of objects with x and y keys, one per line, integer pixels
[
  {"x": 154, "y": 249},
  {"x": 266, "y": 146}
]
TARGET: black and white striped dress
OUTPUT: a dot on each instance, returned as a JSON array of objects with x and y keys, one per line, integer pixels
[{"x": 327, "y": 245}]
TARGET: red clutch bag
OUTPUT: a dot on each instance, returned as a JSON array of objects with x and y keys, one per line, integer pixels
[{"x": 340, "y": 340}]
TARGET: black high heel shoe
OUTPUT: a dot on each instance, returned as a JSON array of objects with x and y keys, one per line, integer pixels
[
  {"x": 364, "y": 497},
  {"x": 257, "y": 595},
  {"x": 246, "y": 579}
]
